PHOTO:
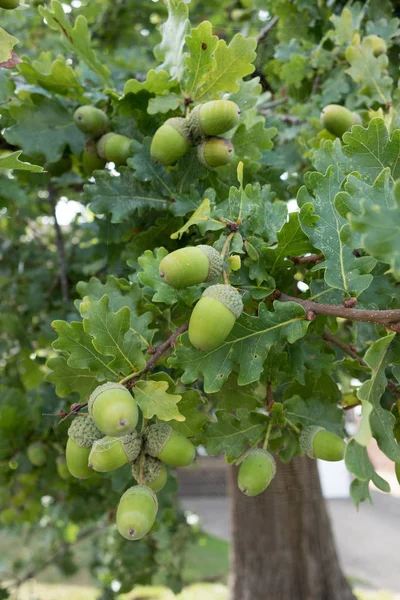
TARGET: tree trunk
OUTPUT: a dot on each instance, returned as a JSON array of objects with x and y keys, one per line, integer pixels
[{"x": 283, "y": 547}]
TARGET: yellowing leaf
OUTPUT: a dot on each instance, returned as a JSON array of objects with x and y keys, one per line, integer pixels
[{"x": 154, "y": 400}]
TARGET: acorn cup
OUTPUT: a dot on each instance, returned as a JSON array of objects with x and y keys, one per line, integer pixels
[
  {"x": 150, "y": 471},
  {"x": 113, "y": 409},
  {"x": 317, "y": 442},
  {"x": 215, "y": 152},
  {"x": 171, "y": 141},
  {"x": 378, "y": 44},
  {"x": 136, "y": 512},
  {"x": 9, "y": 4},
  {"x": 213, "y": 118},
  {"x": 338, "y": 119},
  {"x": 190, "y": 266},
  {"x": 115, "y": 148},
  {"x": 91, "y": 161},
  {"x": 91, "y": 120},
  {"x": 169, "y": 446},
  {"x": 214, "y": 316},
  {"x": 81, "y": 435},
  {"x": 111, "y": 453},
  {"x": 257, "y": 469},
  {"x": 37, "y": 454}
]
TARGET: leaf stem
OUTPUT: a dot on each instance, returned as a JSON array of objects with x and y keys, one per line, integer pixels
[
  {"x": 226, "y": 245},
  {"x": 266, "y": 439}
]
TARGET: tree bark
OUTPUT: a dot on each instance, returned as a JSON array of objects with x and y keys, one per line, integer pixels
[{"x": 283, "y": 546}]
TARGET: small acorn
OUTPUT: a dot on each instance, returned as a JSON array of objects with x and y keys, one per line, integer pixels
[
  {"x": 257, "y": 469},
  {"x": 113, "y": 409},
  {"x": 168, "y": 445},
  {"x": 37, "y": 454},
  {"x": 215, "y": 152},
  {"x": 137, "y": 511},
  {"x": 214, "y": 316},
  {"x": 378, "y": 44},
  {"x": 111, "y": 453},
  {"x": 62, "y": 468},
  {"x": 338, "y": 119},
  {"x": 171, "y": 141},
  {"x": 317, "y": 442},
  {"x": 81, "y": 435},
  {"x": 190, "y": 266},
  {"x": 154, "y": 473},
  {"x": 235, "y": 262},
  {"x": 9, "y": 4},
  {"x": 91, "y": 161},
  {"x": 114, "y": 148},
  {"x": 91, "y": 120},
  {"x": 213, "y": 118}
]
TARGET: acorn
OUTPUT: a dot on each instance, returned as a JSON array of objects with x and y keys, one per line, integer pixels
[
  {"x": 338, "y": 119},
  {"x": 113, "y": 409},
  {"x": 9, "y": 4},
  {"x": 62, "y": 468},
  {"x": 115, "y": 148},
  {"x": 168, "y": 445},
  {"x": 137, "y": 511},
  {"x": 378, "y": 44},
  {"x": 81, "y": 436},
  {"x": 214, "y": 316},
  {"x": 37, "y": 454},
  {"x": 91, "y": 120},
  {"x": 190, "y": 266},
  {"x": 215, "y": 152},
  {"x": 213, "y": 118},
  {"x": 317, "y": 442},
  {"x": 171, "y": 141},
  {"x": 153, "y": 472},
  {"x": 257, "y": 469},
  {"x": 91, "y": 161},
  {"x": 111, "y": 453}
]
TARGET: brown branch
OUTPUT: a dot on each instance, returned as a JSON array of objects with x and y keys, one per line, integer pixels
[
  {"x": 314, "y": 258},
  {"x": 265, "y": 30},
  {"x": 60, "y": 245},
  {"x": 269, "y": 398}
]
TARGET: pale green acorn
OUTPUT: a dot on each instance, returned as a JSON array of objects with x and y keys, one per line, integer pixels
[
  {"x": 317, "y": 442},
  {"x": 171, "y": 141},
  {"x": 213, "y": 118},
  {"x": 169, "y": 446},
  {"x": 338, "y": 119},
  {"x": 214, "y": 316},
  {"x": 378, "y": 44},
  {"x": 256, "y": 471},
  {"x": 62, "y": 468},
  {"x": 9, "y": 4},
  {"x": 137, "y": 511},
  {"x": 37, "y": 454},
  {"x": 234, "y": 262},
  {"x": 91, "y": 120},
  {"x": 113, "y": 409},
  {"x": 111, "y": 453},
  {"x": 81, "y": 435},
  {"x": 152, "y": 471},
  {"x": 190, "y": 266},
  {"x": 115, "y": 148},
  {"x": 91, "y": 161},
  {"x": 215, "y": 152}
]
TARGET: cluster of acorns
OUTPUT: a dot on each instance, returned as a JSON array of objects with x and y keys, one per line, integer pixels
[
  {"x": 106, "y": 439},
  {"x": 202, "y": 129}
]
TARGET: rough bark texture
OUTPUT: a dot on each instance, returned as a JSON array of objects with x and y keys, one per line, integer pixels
[{"x": 283, "y": 547}]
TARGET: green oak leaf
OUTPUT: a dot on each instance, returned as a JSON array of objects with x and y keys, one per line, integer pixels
[
  {"x": 370, "y": 71},
  {"x": 312, "y": 411},
  {"x": 310, "y": 356},
  {"x": 11, "y": 161},
  {"x": 202, "y": 215},
  {"x": 195, "y": 419},
  {"x": 173, "y": 33},
  {"x": 359, "y": 491},
  {"x": 56, "y": 76},
  {"x": 247, "y": 347},
  {"x": 359, "y": 464},
  {"x": 7, "y": 43},
  {"x": 233, "y": 396},
  {"x": 154, "y": 400},
  {"x": 70, "y": 379},
  {"x": 201, "y": 44},
  {"x": 231, "y": 434},
  {"x": 250, "y": 140},
  {"x": 291, "y": 241},
  {"x": 156, "y": 82}
]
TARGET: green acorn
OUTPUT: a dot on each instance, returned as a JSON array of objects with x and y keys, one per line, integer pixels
[
  {"x": 171, "y": 141},
  {"x": 113, "y": 409},
  {"x": 215, "y": 152},
  {"x": 234, "y": 262},
  {"x": 81, "y": 435},
  {"x": 168, "y": 445},
  {"x": 257, "y": 469},
  {"x": 154, "y": 472},
  {"x": 214, "y": 316},
  {"x": 213, "y": 118},
  {"x": 91, "y": 120},
  {"x": 136, "y": 513},
  {"x": 91, "y": 161},
  {"x": 111, "y": 453},
  {"x": 317, "y": 442},
  {"x": 190, "y": 266},
  {"x": 37, "y": 454},
  {"x": 9, "y": 4},
  {"x": 338, "y": 119},
  {"x": 378, "y": 44},
  {"x": 62, "y": 468},
  {"x": 114, "y": 148}
]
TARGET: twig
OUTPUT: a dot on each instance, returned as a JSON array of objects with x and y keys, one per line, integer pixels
[
  {"x": 265, "y": 31},
  {"x": 273, "y": 103},
  {"x": 60, "y": 245},
  {"x": 314, "y": 258},
  {"x": 269, "y": 399}
]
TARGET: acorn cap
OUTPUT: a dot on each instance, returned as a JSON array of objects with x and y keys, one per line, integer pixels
[
  {"x": 151, "y": 469},
  {"x": 156, "y": 437},
  {"x": 261, "y": 452},
  {"x": 140, "y": 490},
  {"x": 132, "y": 444},
  {"x": 215, "y": 260},
  {"x": 227, "y": 295},
  {"x": 110, "y": 385},
  {"x": 307, "y": 439},
  {"x": 101, "y": 144},
  {"x": 181, "y": 125},
  {"x": 84, "y": 431}
]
